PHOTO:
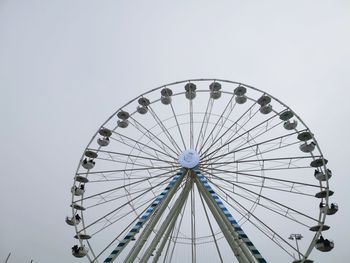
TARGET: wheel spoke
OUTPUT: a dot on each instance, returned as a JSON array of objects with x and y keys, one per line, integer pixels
[
  {"x": 164, "y": 129},
  {"x": 205, "y": 122},
  {"x": 152, "y": 137},
  {"x": 260, "y": 196},
  {"x": 221, "y": 171},
  {"x": 140, "y": 146},
  {"x": 178, "y": 126},
  {"x": 230, "y": 106}
]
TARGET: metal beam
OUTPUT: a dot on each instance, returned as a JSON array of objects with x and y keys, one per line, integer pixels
[
  {"x": 229, "y": 237},
  {"x": 166, "y": 196},
  {"x": 160, "y": 201},
  {"x": 246, "y": 245},
  {"x": 172, "y": 216},
  {"x": 164, "y": 241}
]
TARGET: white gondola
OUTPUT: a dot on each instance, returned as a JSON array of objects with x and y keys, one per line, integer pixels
[
  {"x": 91, "y": 154},
  {"x": 166, "y": 96},
  {"x": 240, "y": 91},
  {"x": 290, "y": 125},
  {"x": 215, "y": 94},
  {"x": 79, "y": 252},
  {"x": 88, "y": 164},
  {"x": 190, "y": 95},
  {"x": 318, "y": 162},
  {"x": 215, "y": 86},
  {"x": 319, "y": 227},
  {"x": 324, "y": 245},
  {"x": 78, "y": 207},
  {"x": 123, "y": 123},
  {"x": 73, "y": 221},
  {"x": 264, "y": 100},
  {"x": 324, "y": 193},
  {"x": 165, "y": 100},
  {"x": 78, "y": 191},
  {"x": 241, "y": 99},
  {"x": 323, "y": 176},
  {"x": 123, "y": 119},
  {"x": 215, "y": 90},
  {"x": 81, "y": 179},
  {"x": 82, "y": 236},
  {"x": 266, "y": 109},
  {"x": 142, "y": 109},
  {"x": 307, "y": 147},
  {"x": 286, "y": 115},
  {"x": 304, "y": 136},
  {"x": 123, "y": 115},
  {"x": 144, "y": 102},
  {"x": 303, "y": 261},
  {"x": 103, "y": 141},
  {"x": 190, "y": 87},
  {"x": 105, "y": 132},
  {"x": 166, "y": 92},
  {"x": 190, "y": 91},
  {"x": 330, "y": 210}
]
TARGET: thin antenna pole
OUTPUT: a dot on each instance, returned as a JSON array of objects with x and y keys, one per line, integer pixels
[{"x": 7, "y": 259}]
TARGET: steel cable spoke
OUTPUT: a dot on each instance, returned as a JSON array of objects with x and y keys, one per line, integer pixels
[
  {"x": 247, "y": 132},
  {"x": 151, "y": 136},
  {"x": 227, "y": 130},
  {"x": 221, "y": 171},
  {"x": 264, "y": 197},
  {"x": 135, "y": 156},
  {"x": 258, "y": 203},
  {"x": 121, "y": 206},
  {"x": 217, "y": 122},
  {"x": 120, "y": 187},
  {"x": 125, "y": 138},
  {"x": 164, "y": 129},
  {"x": 178, "y": 126},
  {"x": 238, "y": 149},
  {"x": 205, "y": 121}
]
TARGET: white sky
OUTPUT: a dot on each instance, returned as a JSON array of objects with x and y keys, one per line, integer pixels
[{"x": 65, "y": 66}]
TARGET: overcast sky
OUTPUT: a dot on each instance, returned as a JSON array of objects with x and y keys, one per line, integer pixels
[{"x": 65, "y": 66}]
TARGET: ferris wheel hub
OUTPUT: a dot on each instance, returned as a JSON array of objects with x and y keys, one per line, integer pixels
[{"x": 189, "y": 159}]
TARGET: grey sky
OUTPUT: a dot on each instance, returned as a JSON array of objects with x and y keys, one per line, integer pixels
[{"x": 65, "y": 66}]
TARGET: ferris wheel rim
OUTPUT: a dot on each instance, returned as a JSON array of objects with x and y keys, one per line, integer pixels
[{"x": 322, "y": 215}]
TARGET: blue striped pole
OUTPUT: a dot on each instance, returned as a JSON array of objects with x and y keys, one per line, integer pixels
[
  {"x": 142, "y": 219},
  {"x": 236, "y": 227},
  {"x": 171, "y": 217}
]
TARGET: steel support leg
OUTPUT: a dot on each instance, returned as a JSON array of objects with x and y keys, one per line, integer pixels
[
  {"x": 231, "y": 240},
  {"x": 248, "y": 248},
  {"x": 152, "y": 222},
  {"x": 171, "y": 217},
  {"x": 164, "y": 241},
  {"x": 159, "y": 201}
]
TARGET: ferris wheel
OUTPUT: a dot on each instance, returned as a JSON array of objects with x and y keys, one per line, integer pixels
[{"x": 202, "y": 170}]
